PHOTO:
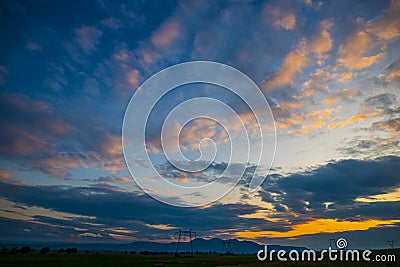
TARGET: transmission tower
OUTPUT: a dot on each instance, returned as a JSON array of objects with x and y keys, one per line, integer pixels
[
  {"x": 181, "y": 234},
  {"x": 332, "y": 240},
  {"x": 391, "y": 243},
  {"x": 226, "y": 247}
]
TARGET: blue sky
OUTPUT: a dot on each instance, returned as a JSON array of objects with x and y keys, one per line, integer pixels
[{"x": 330, "y": 71}]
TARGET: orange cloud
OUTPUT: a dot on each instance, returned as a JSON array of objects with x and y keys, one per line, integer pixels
[
  {"x": 318, "y": 226},
  {"x": 182, "y": 178},
  {"x": 322, "y": 42},
  {"x": 387, "y": 25},
  {"x": 133, "y": 77},
  {"x": 111, "y": 157},
  {"x": 291, "y": 66},
  {"x": 355, "y": 118},
  {"x": 386, "y": 197},
  {"x": 190, "y": 135},
  {"x": 351, "y": 52},
  {"x": 90, "y": 235},
  {"x": 160, "y": 226},
  {"x": 114, "y": 180},
  {"x": 166, "y": 34},
  {"x": 302, "y": 124},
  {"x": 346, "y": 76},
  {"x": 4, "y": 175},
  {"x": 197, "y": 130},
  {"x": 342, "y": 95},
  {"x": 306, "y": 129},
  {"x": 317, "y": 82},
  {"x": 121, "y": 230},
  {"x": 392, "y": 125},
  {"x": 393, "y": 76}
]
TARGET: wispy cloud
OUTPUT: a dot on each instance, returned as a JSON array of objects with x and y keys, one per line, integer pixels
[
  {"x": 280, "y": 17},
  {"x": 87, "y": 37}
]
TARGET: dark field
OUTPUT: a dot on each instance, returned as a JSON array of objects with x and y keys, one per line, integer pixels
[{"x": 119, "y": 259}]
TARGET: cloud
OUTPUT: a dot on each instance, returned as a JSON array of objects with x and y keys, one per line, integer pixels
[
  {"x": 4, "y": 175},
  {"x": 33, "y": 135},
  {"x": 338, "y": 182},
  {"x": 87, "y": 37},
  {"x": 291, "y": 66},
  {"x": 33, "y": 46},
  {"x": 346, "y": 76},
  {"x": 133, "y": 77},
  {"x": 299, "y": 124},
  {"x": 340, "y": 96},
  {"x": 322, "y": 42},
  {"x": 112, "y": 179},
  {"x": 318, "y": 226},
  {"x": 393, "y": 196},
  {"x": 356, "y": 118},
  {"x": 280, "y": 17},
  {"x": 351, "y": 52},
  {"x": 101, "y": 209},
  {"x": 297, "y": 205},
  {"x": 382, "y": 101},
  {"x": 318, "y": 82},
  {"x": 300, "y": 57},
  {"x": 13, "y": 210},
  {"x": 163, "y": 37},
  {"x": 387, "y": 25},
  {"x": 368, "y": 147},
  {"x": 392, "y": 125},
  {"x": 3, "y": 72},
  {"x": 28, "y": 125},
  {"x": 392, "y": 73},
  {"x": 326, "y": 199},
  {"x": 112, "y": 23}
]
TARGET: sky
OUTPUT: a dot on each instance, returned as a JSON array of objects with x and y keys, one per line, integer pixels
[{"x": 329, "y": 70}]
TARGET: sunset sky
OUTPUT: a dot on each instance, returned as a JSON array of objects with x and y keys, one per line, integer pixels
[{"x": 330, "y": 71}]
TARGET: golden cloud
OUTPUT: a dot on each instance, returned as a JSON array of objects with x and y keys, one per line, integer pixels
[
  {"x": 351, "y": 52},
  {"x": 386, "y": 197},
  {"x": 355, "y": 118},
  {"x": 318, "y": 226},
  {"x": 291, "y": 66}
]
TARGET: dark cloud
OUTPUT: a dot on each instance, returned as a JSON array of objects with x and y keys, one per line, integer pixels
[
  {"x": 382, "y": 101},
  {"x": 388, "y": 125},
  {"x": 339, "y": 183},
  {"x": 304, "y": 194},
  {"x": 128, "y": 209}
]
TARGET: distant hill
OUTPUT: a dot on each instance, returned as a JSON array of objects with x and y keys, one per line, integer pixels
[{"x": 199, "y": 244}]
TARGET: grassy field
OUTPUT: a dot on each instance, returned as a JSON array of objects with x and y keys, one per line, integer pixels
[{"x": 116, "y": 260}]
